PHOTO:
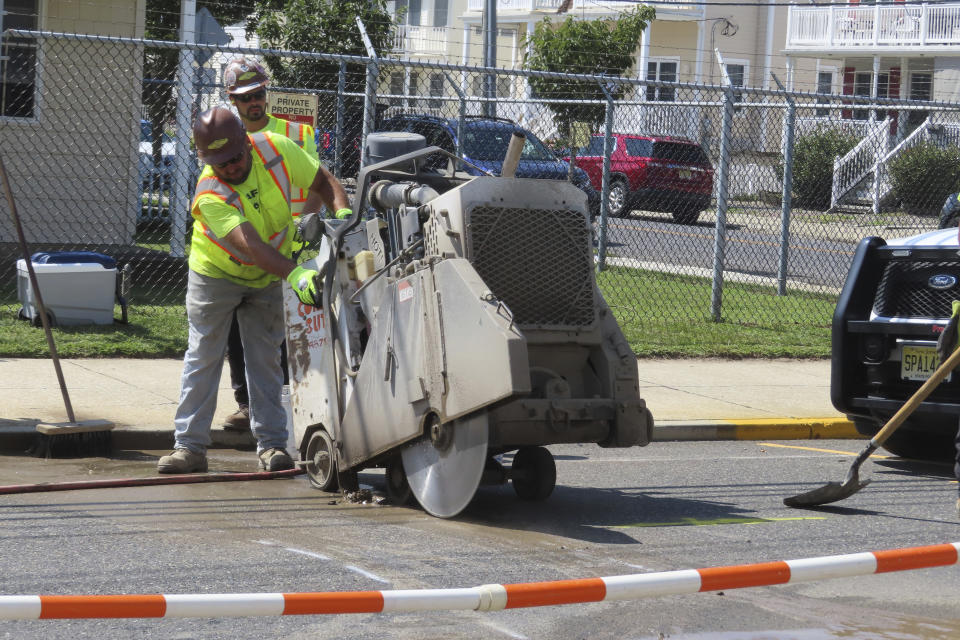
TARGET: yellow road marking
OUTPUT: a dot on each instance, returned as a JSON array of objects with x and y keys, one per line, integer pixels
[
  {"x": 697, "y": 522},
  {"x": 792, "y": 446}
]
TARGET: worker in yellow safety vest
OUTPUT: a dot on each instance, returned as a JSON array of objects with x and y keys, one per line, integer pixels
[
  {"x": 240, "y": 248},
  {"x": 245, "y": 81}
]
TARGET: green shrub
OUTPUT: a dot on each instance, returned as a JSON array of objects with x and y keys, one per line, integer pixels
[
  {"x": 813, "y": 156},
  {"x": 923, "y": 176}
]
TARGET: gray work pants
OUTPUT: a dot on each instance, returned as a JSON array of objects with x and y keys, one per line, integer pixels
[{"x": 211, "y": 303}]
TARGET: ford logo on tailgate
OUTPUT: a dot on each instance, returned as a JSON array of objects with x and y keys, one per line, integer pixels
[{"x": 942, "y": 281}]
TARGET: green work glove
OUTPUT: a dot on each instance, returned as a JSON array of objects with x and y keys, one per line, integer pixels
[
  {"x": 951, "y": 333},
  {"x": 343, "y": 214},
  {"x": 304, "y": 283}
]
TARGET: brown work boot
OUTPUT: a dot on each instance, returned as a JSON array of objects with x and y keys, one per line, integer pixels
[
  {"x": 239, "y": 420},
  {"x": 275, "y": 460},
  {"x": 182, "y": 461}
]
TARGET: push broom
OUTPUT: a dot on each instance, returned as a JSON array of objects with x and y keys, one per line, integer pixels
[{"x": 73, "y": 438}]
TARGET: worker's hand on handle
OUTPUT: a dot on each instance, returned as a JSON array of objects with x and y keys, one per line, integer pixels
[
  {"x": 343, "y": 214},
  {"x": 948, "y": 339},
  {"x": 304, "y": 282}
]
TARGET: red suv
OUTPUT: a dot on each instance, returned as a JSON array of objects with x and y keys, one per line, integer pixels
[{"x": 654, "y": 173}]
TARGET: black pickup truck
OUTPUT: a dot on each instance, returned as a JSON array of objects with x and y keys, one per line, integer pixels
[{"x": 894, "y": 305}]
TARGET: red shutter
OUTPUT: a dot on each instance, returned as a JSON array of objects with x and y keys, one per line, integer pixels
[
  {"x": 893, "y": 91},
  {"x": 848, "y": 80}
]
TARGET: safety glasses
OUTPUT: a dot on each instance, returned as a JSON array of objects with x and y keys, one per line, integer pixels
[
  {"x": 226, "y": 163},
  {"x": 247, "y": 97}
]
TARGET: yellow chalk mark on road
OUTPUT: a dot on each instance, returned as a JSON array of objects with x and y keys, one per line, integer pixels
[
  {"x": 698, "y": 522},
  {"x": 793, "y": 446}
]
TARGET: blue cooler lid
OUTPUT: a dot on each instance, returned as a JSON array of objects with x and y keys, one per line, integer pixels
[{"x": 73, "y": 257}]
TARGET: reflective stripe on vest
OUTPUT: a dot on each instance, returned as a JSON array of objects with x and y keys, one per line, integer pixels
[
  {"x": 272, "y": 162},
  {"x": 220, "y": 189},
  {"x": 299, "y": 196}
]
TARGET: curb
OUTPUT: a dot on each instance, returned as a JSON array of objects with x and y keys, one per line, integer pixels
[
  {"x": 488, "y": 597},
  {"x": 757, "y": 429},
  {"x": 20, "y": 436}
]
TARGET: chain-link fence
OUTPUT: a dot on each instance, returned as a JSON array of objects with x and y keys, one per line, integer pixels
[{"x": 710, "y": 202}]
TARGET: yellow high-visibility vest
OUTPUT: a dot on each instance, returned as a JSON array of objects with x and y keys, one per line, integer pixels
[{"x": 269, "y": 213}]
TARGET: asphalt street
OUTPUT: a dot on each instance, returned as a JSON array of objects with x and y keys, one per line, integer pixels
[{"x": 668, "y": 506}]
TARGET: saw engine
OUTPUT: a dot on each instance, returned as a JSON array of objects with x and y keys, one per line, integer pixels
[{"x": 461, "y": 323}]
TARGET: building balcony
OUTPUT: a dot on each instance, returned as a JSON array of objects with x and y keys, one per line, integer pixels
[
  {"x": 676, "y": 11},
  {"x": 429, "y": 41},
  {"x": 895, "y": 29}
]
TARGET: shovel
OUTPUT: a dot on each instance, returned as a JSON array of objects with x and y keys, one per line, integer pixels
[{"x": 834, "y": 491}]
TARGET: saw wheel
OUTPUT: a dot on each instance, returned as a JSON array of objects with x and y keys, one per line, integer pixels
[
  {"x": 321, "y": 461},
  {"x": 444, "y": 467}
]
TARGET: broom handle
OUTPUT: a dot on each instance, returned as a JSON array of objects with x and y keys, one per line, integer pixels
[
  {"x": 919, "y": 396},
  {"x": 36, "y": 291}
]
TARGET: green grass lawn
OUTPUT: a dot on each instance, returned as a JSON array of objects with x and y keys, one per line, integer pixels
[{"x": 662, "y": 315}]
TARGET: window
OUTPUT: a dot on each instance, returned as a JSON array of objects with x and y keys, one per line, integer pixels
[
  {"x": 824, "y": 85},
  {"x": 413, "y": 88},
  {"x": 436, "y": 89},
  {"x": 413, "y": 12},
  {"x": 440, "y": 13},
  {"x": 639, "y": 147},
  {"x": 921, "y": 88},
  {"x": 396, "y": 88},
  {"x": 18, "y": 62},
  {"x": 679, "y": 153},
  {"x": 663, "y": 71},
  {"x": 738, "y": 77},
  {"x": 862, "y": 81},
  {"x": 504, "y": 86},
  {"x": 594, "y": 148}
]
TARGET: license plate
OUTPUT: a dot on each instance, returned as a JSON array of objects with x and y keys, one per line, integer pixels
[
  {"x": 918, "y": 363},
  {"x": 685, "y": 174}
]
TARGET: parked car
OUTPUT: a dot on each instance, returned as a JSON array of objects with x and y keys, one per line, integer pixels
[
  {"x": 655, "y": 173},
  {"x": 154, "y": 175},
  {"x": 894, "y": 305},
  {"x": 485, "y": 142}
]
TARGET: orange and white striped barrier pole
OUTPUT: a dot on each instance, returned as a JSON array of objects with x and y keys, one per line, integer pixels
[{"x": 490, "y": 597}]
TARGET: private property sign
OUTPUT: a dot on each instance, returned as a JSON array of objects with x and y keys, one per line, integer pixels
[{"x": 295, "y": 107}]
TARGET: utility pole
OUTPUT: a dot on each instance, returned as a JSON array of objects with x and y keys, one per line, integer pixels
[{"x": 490, "y": 57}]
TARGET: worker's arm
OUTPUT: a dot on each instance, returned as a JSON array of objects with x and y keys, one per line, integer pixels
[
  {"x": 305, "y": 281},
  {"x": 248, "y": 241},
  {"x": 326, "y": 190}
]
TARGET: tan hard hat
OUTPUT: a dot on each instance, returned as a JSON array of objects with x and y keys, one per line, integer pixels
[
  {"x": 243, "y": 75},
  {"x": 219, "y": 135}
]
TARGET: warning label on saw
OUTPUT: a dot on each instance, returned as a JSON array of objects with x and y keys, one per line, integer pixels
[{"x": 295, "y": 107}]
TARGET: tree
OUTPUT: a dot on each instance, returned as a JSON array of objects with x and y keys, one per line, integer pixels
[
  {"x": 324, "y": 26},
  {"x": 595, "y": 47},
  {"x": 160, "y": 65}
]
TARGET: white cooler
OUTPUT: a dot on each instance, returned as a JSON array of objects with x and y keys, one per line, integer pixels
[{"x": 78, "y": 287}]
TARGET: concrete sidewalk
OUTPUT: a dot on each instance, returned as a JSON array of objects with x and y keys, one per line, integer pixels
[{"x": 690, "y": 399}]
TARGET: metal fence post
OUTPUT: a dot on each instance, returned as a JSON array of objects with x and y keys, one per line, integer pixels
[
  {"x": 338, "y": 129},
  {"x": 461, "y": 115},
  {"x": 720, "y": 233},
  {"x": 605, "y": 181},
  {"x": 786, "y": 201},
  {"x": 369, "y": 91},
  {"x": 180, "y": 189}
]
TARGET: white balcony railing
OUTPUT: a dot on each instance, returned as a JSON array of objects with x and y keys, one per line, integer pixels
[
  {"x": 878, "y": 25},
  {"x": 588, "y": 6},
  {"x": 425, "y": 40}
]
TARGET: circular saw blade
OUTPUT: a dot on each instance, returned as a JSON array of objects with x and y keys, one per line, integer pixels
[{"x": 444, "y": 481}]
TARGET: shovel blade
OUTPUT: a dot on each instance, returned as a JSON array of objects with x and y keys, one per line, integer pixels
[{"x": 830, "y": 492}]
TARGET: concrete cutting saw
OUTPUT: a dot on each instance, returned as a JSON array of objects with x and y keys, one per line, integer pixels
[{"x": 461, "y": 323}]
